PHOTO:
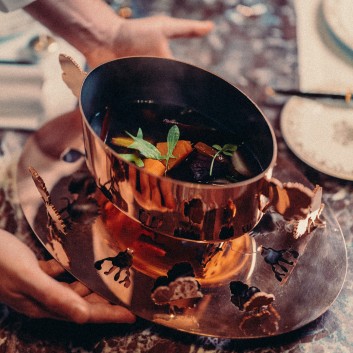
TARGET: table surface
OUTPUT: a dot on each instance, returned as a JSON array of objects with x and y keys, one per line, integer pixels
[{"x": 252, "y": 53}]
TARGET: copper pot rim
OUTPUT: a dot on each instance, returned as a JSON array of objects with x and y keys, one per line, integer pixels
[{"x": 190, "y": 185}]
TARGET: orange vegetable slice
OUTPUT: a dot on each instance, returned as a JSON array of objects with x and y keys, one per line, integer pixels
[
  {"x": 182, "y": 149},
  {"x": 122, "y": 141},
  {"x": 154, "y": 166}
]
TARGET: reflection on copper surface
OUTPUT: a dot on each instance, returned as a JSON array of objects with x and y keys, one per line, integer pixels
[
  {"x": 277, "y": 259},
  {"x": 249, "y": 298},
  {"x": 178, "y": 289},
  {"x": 293, "y": 200},
  {"x": 184, "y": 322},
  {"x": 81, "y": 206},
  {"x": 262, "y": 323},
  {"x": 121, "y": 262},
  {"x": 181, "y": 293},
  {"x": 260, "y": 317},
  {"x": 312, "y": 220},
  {"x": 111, "y": 189},
  {"x": 55, "y": 221},
  {"x": 57, "y": 229},
  {"x": 155, "y": 254},
  {"x": 215, "y": 314},
  {"x": 81, "y": 210}
]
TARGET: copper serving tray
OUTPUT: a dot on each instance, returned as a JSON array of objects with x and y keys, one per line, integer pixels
[{"x": 312, "y": 283}]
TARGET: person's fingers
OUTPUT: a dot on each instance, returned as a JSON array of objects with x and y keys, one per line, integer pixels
[
  {"x": 95, "y": 298},
  {"x": 92, "y": 309},
  {"x": 31, "y": 308},
  {"x": 185, "y": 28},
  {"x": 54, "y": 269},
  {"x": 51, "y": 267},
  {"x": 78, "y": 288},
  {"x": 98, "y": 311},
  {"x": 59, "y": 301},
  {"x": 103, "y": 312},
  {"x": 30, "y": 291}
]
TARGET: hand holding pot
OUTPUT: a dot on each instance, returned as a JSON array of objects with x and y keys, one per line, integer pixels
[
  {"x": 101, "y": 35},
  {"x": 29, "y": 287}
]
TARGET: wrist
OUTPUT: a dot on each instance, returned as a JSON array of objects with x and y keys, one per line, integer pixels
[
  {"x": 99, "y": 45},
  {"x": 90, "y": 29}
]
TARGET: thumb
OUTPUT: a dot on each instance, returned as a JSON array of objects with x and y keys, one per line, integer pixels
[{"x": 184, "y": 28}]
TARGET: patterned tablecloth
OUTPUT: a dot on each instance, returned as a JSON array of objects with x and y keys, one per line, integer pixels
[{"x": 253, "y": 46}]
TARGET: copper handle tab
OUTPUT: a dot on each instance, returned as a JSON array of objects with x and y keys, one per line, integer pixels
[{"x": 72, "y": 74}]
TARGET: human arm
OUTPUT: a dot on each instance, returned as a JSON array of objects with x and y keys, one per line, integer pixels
[
  {"x": 29, "y": 287},
  {"x": 101, "y": 35}
]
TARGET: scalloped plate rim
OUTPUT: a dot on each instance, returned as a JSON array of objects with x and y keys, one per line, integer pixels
[
  {"x": 332, "y": 13},
  {"x": 293, "y": 146}
]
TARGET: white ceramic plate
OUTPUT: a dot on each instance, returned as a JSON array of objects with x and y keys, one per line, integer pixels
[
  {"x": 320, "y": 134},
  {"x": 338, "y": 15}
]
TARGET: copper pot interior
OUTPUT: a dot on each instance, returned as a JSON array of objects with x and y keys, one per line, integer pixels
[{"x": 173, "y": 82}]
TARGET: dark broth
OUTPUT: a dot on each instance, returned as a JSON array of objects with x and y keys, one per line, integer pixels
[{"x": 155, "y": 120}]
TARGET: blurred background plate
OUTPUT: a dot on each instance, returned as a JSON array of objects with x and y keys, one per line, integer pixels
[
  {"x": 338, "y": 15},
  {"x": 14, "y": 23},
  {"x": 320, "y": 133}
]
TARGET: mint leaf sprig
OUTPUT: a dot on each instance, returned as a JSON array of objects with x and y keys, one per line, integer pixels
[
  {"x": 145, "y": 148},
  {"x": 228, "y": 150},
  {"x": 172, "y": 140},
  {"x": 148, "y": 150}
]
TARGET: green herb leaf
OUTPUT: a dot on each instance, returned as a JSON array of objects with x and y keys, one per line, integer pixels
[
  {"x": 130, "y": 157},
  {"x": 146, "y": 148},
  {"x": 172, "y": 140},
  {"x": 228, "y": 150},
  {"x": 213, "y": 159}
]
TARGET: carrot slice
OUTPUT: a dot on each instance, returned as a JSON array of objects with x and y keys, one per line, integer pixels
[
  {"x": 122, "y": 141},
  {"x": 154, "y": 166},
  {"x": 182, "y": 149}
]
